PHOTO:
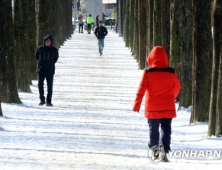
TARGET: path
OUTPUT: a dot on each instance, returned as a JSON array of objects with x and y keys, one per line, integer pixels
[{"x": 91, "y": 125}]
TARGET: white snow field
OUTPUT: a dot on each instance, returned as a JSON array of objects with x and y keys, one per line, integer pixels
[{"x": 91, "y": 125}]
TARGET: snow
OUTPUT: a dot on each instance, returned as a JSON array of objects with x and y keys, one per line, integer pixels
[{"x": 92, "y": 125}]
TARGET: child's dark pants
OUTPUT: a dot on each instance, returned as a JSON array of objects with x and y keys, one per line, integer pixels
[{"x": 165, "y": 124}]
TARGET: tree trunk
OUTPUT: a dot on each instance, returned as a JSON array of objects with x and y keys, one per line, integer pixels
[
  {"x": 157, "y": 36},
  {"x": 44, "y": 13},
  {"x": 68, "y": 16},
  {"x": 215, "y": 117},
  {"x": 185, "y": 66},
  {"x": 23, "y": 37},
  {"x": 149, "y": 29},
  {"x": 142, "y": 33},
  {"x": 175, "y": 36},
  {"x": 32, "y": 29},
  {"x": 126, "y": 21},
  {"x": 201, "y": 66},
  {"x": 122, "y": 15},
  {"x": 136, "y": 26},
  {"x": 181, "y": 43},
  {"x": 57, "y": 23},
  {"x": 8, "y": 80},
  {"x": 165, "y": 26},
  {"x": 131, "y": 25}
]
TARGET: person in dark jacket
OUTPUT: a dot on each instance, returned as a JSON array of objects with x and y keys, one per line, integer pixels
[
  {"x": 97, "y": 20},
  {"x": 160, "y": 85},
  {"x": 100, "y": 33},
  {"x": 47, "y": 56},
  {"x": 81, "y": 23}
]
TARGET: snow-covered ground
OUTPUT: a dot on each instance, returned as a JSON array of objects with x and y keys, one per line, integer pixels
[{"x": 91, "y": 125}]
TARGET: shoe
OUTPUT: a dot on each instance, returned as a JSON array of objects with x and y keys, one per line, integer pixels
[
  {"x": 163, "y": 155},
  {"x": 41, "y": 103},
  {"x": 165, "y": 159},
  {"x": 49, "y": 104},
  {"x": 154, "y": 152},
  {"x": 101, "y": 54}
]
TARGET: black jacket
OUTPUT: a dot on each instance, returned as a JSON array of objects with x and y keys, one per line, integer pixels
[
  {"x": 47, "y": 56},
  {"x": 97, "y": 21},
  {"x": 101, "y": 32}
]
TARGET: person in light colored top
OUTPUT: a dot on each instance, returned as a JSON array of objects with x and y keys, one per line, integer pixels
[
  {"x": 90, "y": 23},
  {"x": 81, "y": 23}
]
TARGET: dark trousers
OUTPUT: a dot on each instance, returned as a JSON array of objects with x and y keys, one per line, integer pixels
[
  {"x": 80, "y": 28},
  {"x": 49, "y": 80},
  {"x": 89, "y": 27},
  {"x": 165, "y": 124}
]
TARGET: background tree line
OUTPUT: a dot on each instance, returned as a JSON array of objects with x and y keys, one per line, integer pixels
[
  {"x": 191, "y": 33},
  {"x": 20, "y": 35}
]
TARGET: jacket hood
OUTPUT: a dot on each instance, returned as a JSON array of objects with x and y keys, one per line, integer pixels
[
  {"x": 158, "y": 57},
  {"x": 48, "y": 36}
]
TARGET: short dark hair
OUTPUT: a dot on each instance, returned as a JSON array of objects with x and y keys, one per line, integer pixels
[{"x": 100, "y": 22}]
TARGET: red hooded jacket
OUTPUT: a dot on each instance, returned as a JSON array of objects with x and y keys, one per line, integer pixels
[{"x": 161, "y": 85}]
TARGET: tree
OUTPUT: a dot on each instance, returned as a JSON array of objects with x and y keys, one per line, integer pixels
[
  {"x": 56, "y": 20},
  {"x": 5, "y": 19},
  {"x": 8, "y": 81},
  {"x": 25, "y": 43},
  {"x": 215, "y": 117},
  {"x": 181, "y": 43},
  {"x": 157, "y": 23},
  {"x": 135, "y": 47},
  {"x": 131, "y": 24},
  {"x": 43, "y": 19},
  {"x": 202, "y": 60},
  {"x": 149, "y": 26},
  {"x": 142, "y": 33},
  {"x": 165, "y": 24},
  {"x": 126, "y": 21},
  {"x": 161, "y": 24}
]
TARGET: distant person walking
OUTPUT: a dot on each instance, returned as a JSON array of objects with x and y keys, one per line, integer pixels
[
  {"x": 81, "y": 23},
  {"x": 90, "y": 23},
  {"x": 160, "y": 85},
  {"x": 47, "y": 56},
  {"x": 97, "y": 20},
  {"x": 100, "y": 33}
]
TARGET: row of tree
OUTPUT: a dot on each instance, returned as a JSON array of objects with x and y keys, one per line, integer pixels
[
  {"x": 21, "y": 32},
  {"x": 191, "y": 33}
]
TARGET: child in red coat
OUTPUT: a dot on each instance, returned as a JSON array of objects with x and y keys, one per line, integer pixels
[{"x": 161, "y": 86}]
